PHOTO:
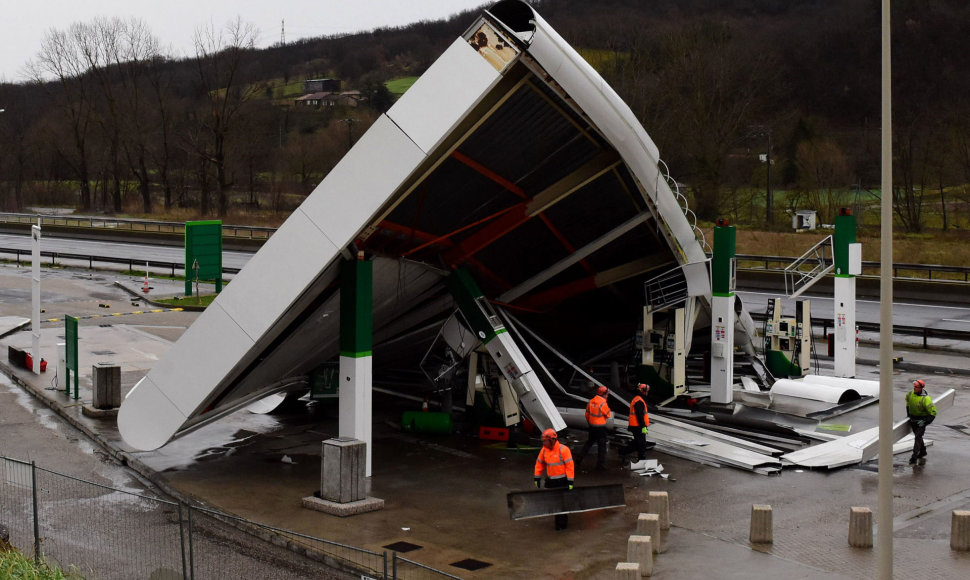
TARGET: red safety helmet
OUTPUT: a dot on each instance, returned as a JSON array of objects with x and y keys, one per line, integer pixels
[
  {"x": 643, "y": 387},
  {"x": 549, "y": 434},
  {"x": 602, "y": 390},
  {"x": 919, "y": 383}
]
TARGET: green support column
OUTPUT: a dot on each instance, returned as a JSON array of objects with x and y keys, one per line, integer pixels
[
  {"x": 70, "y": 343},
  {"x": 844, "y": 294},
  {"x": 356, "y": 305},
  {"x": 722, "y": 262},
  {"x": 844, "y": 235},
  {"x": 356, "y": 356},
  {"x": 722, "y": 312}
]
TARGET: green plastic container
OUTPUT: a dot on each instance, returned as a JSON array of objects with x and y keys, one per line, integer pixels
[{"x": 428, "y": 422}]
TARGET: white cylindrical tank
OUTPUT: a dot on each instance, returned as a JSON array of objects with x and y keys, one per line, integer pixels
[
  {"x": 861, "y": 386},
  {"x": 813, "y": 391}
]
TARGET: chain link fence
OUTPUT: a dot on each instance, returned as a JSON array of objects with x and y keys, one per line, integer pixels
[{"x": 105, "y": 533}]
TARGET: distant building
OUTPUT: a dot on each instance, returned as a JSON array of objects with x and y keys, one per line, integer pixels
[
  {"x": 324, "y": 99},
  {"x": 321, "y": 86},
  {"x": 804, "y": 219}
]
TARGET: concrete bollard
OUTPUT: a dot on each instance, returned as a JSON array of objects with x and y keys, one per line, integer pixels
[
  {"x": 639, "y": 550},
  {"x": 860, "y": 527},
  {"x": 659, "y": 503},
  {"x": 649, "y": 525},
  {"x": 761, "y": 532},
  {"x": 960, "y": 531},
  {"x": 627, "y": 571}
]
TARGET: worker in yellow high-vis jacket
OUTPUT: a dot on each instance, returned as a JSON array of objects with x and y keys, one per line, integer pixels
[{"x": 921, "y": 412}]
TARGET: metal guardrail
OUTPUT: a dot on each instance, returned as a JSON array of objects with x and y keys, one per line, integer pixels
[
  {"x": 922, "y": 331},
  {"x": 91, "y": 260},
  {"x": 263, "y": 233},
  {"x": 870, "y": 268},
  {"x": 102, "y": 223}
]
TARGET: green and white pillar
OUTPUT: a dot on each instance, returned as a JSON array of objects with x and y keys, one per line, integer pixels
[
  {"x": 722, "y": 313},
  {"x": 848, "y": 264},
  {"x": 356, "y": 356}
]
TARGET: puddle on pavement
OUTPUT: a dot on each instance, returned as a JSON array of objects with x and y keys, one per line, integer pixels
[{"x": 45, "y": 416}]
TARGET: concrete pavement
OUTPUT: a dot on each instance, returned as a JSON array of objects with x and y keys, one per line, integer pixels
[{"x": 447, "y": 494}]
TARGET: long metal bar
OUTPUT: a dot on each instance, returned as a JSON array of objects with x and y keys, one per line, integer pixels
[
  {"x": 33, "y": 492},
  {"x": 885, "y": 518},
  {"x": 185, "y": 563},
  {"x": 546, "y": 502},
  {"x": 574, "y": 257}
]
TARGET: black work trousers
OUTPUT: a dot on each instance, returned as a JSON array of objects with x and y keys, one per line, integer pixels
[
  {"x": 919, "y": 448},
  {"x": 562, "y": 520},
  {"x": 597, "y": 435},
  {"x": 639, "y": 442}
]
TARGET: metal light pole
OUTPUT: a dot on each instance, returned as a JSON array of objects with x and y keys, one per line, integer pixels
[
  {"x": 768, "y": 216},
  {"x": 885, "y": 540}
]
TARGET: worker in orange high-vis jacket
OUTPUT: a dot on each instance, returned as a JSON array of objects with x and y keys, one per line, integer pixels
[
  {"x": 639, "y": 421},
  {"x": 556, "y": 460},
  {"x": 597, "y": 413}
]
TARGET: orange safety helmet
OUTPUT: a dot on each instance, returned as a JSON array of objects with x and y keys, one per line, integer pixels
[
  {"x": 549, "y": 434},
  {"x": 602, "y": 390},
  {"x": 919, "y": 383}
]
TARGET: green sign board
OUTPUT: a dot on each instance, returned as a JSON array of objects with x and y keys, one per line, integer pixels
[
  {"x": 70, "y": 347},
  {"x": 203, "y": 253}
]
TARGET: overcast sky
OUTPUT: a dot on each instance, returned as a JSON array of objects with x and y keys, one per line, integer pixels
[{"x": 173, "y": 21}]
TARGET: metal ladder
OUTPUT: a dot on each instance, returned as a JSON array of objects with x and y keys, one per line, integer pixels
[{"x": 809, "y": 268}]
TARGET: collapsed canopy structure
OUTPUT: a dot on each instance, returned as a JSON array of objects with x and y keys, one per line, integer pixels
[{"x": 509, "y": 158}]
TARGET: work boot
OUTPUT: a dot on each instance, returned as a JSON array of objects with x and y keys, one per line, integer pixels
[
  {"x": 912, "y": 459},
  {"x": 922, "y": 453}
]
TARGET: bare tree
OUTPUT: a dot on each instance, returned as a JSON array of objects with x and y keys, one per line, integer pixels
[
  {"x": 824, "y": 172},
  {"x": 705, "y": 89},
  {"x": 60, "y": 57},
  {"x": 220, "y": 58},
  {"x": 139, "y": 121}
]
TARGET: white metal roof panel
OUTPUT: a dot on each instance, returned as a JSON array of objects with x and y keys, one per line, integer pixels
[
  {"x": 364, "y": 179},
  {"x": 435, "y": 104},
  {"x": 289, "y": 261},
  {"x": 202, "y": 357},
  {"x": 148, "y": 418}
]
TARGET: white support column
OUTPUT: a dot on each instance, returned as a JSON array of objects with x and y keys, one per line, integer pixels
[
  {"x": 646, "y": 350},
  {"x": 35, "y": 295},
  {"x": 679, "y": 376},
  {"x": 722, "y": 349},
  {"x": 845, "y": 337},
  {"x": 472, "y": 379},
  {"x": 803, "y": 334},
  {"x": 356, "y": 394}
]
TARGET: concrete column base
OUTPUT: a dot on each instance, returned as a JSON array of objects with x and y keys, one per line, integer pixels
[
  {"x": 639, "y": 549},
  {"x": 761, "y": 524},
  {"x": 649, "y": 525},
  {"x": 659, "y": 503},
  {"x": 627, "y": 571},
  {"x": 860, "y": 527},
  {"x": 343, "y": 509},
  {"x": 960, "y": 531}
]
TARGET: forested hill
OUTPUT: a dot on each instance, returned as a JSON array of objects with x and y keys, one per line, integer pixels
[{"x": 715, "y": 82}]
